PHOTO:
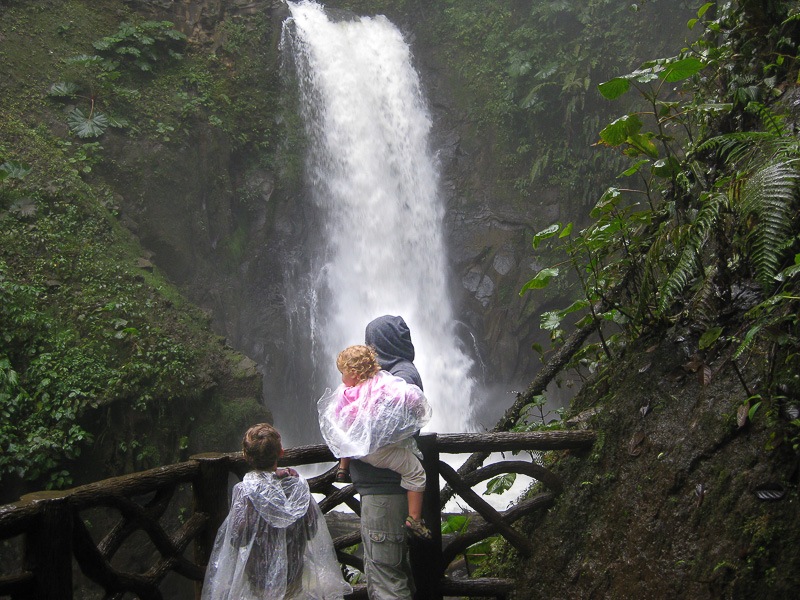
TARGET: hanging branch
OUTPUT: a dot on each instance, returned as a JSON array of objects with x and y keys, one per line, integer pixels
[{"x": 543, "y": 378}]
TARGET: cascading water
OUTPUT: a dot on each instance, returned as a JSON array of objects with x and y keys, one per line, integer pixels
[{"x": 373, "y": 183}]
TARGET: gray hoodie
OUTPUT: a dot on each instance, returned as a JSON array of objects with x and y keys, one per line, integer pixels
[{"x": 391, "y": 339}]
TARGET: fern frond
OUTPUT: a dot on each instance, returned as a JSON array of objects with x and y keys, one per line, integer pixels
[
  {"x": 734, "y": 146},
  {"x": 768, "y": 195},
  {"x": 703, "y": 305},
  {"x": 773, "y": 122},
  {"x": 747, "y": 342},
  {"x": 742, "y": 147},
  {"x": 690, "y": 261},
  {"x": 658, "y": 261},
  {"x": 648, "y": 285}
]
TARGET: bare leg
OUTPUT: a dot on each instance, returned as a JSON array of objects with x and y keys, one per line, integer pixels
[
  {"x": 414, "y": 523},
  {"x": 343, "y": 472},
  {"x": 415, "y": 504}
]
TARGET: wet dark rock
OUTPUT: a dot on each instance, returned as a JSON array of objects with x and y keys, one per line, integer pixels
[
  {"x": 634, "y": 445},
  {"x": 673, "y": 506}
]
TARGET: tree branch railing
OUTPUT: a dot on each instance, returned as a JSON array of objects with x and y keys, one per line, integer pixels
[{"x": 184, "y": 504}]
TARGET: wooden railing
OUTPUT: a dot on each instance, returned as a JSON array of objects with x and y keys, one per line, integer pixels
[{"x": 162, "y": 511}]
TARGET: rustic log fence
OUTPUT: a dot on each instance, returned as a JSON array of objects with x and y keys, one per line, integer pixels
[{"x": 172, "y": 507}]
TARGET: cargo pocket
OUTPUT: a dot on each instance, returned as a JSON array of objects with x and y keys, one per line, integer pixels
[{"x": 387, "y": 548}]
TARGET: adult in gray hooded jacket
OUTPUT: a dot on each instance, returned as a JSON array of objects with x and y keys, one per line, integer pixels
[{"x": 383, "y": 501}]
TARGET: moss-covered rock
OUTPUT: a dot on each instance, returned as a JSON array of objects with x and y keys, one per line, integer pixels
[
  {"x": 668, "y": 504},
  {"x": 106, "y": 367}
]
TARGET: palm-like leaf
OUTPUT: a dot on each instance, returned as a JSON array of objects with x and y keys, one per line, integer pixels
[
  {"x": 63, "y": 89},
  {"x": 13, "y": 170},
  {"x": 85, "y": 126}
]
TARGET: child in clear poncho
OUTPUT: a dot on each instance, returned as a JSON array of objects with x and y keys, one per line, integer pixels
[
  {"x": 274, "y": 543},
  {"x": 372, "y": 416}
]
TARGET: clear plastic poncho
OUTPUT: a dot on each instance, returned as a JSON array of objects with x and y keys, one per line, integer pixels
[
  {"x": 273, "y": 545},
  {"x": 356, "y": 421}
]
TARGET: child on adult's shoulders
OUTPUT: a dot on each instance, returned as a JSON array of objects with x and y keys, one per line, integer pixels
[{"x": 373, "y": 416}]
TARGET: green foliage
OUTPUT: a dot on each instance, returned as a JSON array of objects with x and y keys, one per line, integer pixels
[
  {"x": 666, "y": 70},
  {"x": 768, "y": 197},
  {"x": 500, "y": 484},
  {"x": 716, "y": 201},
  {"x": 540, "y": 280},
  {"x": 142, "y": 45},
  {"x": 455, "y": 524},
  {"x": 92, "y": 125},
  {"x": 531, "y": 71},
  {"x": 673, "y": 233},
  {"x": 477, "y": 553},
  {"x": 63, "y": 89},
  {"x": 39, "y": 428},
  {"x": 13, "y": 170},
  {"x": 95, "y": 78},
  {"x": 93, "y": 350},
  {"x": 535, "y": 416},
  {"x": 77, "y": 334}
]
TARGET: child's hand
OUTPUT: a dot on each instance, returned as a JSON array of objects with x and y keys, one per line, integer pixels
[{"x": 287, "y": 472}]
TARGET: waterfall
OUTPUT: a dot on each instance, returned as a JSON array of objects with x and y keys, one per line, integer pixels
[{"x": 373, "y": 187}]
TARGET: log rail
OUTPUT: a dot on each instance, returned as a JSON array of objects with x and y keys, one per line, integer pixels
[{"x": 182, "y": 504}]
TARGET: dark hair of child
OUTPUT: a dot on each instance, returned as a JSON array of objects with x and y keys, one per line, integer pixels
[
  {"x": 261, "y": 446},
  {"x": 359, "y": 361}
]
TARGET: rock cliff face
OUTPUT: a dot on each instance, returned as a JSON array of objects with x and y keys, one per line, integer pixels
[
  {"x": 212, "y": 219},
  {"x": 199, "y": 19},
  {"x": 224, "y": 227}
]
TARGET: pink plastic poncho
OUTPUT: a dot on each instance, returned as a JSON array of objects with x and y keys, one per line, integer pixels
[
  {"x": 356, "y": 421},
  {"x": 273, "y": 545}
]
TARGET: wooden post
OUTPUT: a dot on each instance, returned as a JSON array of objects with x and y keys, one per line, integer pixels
[
  {"x": 48, "y": 550},
  {"x": 211, "y": 498},
  {"x": 426, "y": 557}
]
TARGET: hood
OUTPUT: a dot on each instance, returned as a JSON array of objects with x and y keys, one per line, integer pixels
[
  {"x": 391, "y": 339},
  {"x": 279, "y": 500}
]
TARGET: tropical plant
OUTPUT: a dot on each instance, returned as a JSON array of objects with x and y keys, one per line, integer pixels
[
  {"x": 532, "y": 69},
  {"x": 133, "y": 47},
  {"x": 11, "y": 173},
  {"x": 142, "y": 45},
  {"x": 763, "y": 190},
  {"x": 717, "y": 200},
  {"x": 476, "y": 553},
  {"x": 13, "y": 170},
  {"x": 74, "y": 340}
]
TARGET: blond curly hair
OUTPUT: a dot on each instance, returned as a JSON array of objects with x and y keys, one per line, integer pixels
[{"x": 360, "y": 362}]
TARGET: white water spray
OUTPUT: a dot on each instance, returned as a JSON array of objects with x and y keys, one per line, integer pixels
[{"x": 374, "y": 181}]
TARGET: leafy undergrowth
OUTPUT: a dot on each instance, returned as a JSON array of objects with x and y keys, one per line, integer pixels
[
  {"x": 690, "y": 282},
  {"x": 681, "y": 497},
  {"x": 104, "y": 368},
  {"x": 95, "y": 344}
]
